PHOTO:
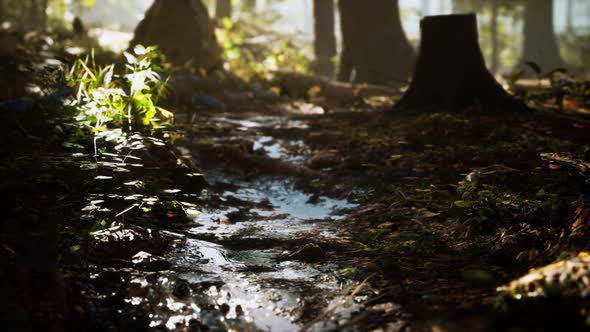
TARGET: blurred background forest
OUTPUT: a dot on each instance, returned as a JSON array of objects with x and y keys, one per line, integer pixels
[{"x": 112, "y": 22}]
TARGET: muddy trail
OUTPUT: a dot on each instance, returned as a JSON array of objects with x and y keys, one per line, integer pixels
[{"x": 264, "y": 249}]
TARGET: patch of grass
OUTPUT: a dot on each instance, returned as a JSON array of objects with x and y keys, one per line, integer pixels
[
  {"x": 491, "y": 207},
  {"x": 403, "y": 243}
]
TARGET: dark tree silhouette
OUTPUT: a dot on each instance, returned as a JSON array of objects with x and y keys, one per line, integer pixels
[
  {"x": 223, "y": 8},
  {"x": 183, "y": 31},
  {"x": 325, "y": 37},
  {"x": 451, "y": 71},
  {"x": 461, "y": 6},
  {"x": 2, "y": 10},
  {"x": 375, "y": 47},
  {"x": 540, "y": 43},
  {"x": 38, "y": 14}
]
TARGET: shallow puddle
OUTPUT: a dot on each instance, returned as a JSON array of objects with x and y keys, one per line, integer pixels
[{"x": 250, "y": 288}]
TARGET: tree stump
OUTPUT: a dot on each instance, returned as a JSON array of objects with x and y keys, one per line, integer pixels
[
  {"x": 183, "y": 31},
  {"x": 451, "y": 72}
]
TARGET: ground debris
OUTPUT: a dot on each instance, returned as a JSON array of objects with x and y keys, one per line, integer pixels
[{"x": 310, "y": 252}]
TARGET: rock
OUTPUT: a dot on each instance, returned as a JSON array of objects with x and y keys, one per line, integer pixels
[
  {"x": 147, "y": 262},
  {"x": 547, "y": 298},
  {"x": 569, "y": 277},
  {"x": 310, "y": 252},
  {"x": 182, "y": 289},
  {"x": 209, "y": 102},
  {"x": 224, "y": 308},
  {"x": 491, "y": 175},
  {"x": 237, "y": 216},
  {"x": 325, "y": 159}
]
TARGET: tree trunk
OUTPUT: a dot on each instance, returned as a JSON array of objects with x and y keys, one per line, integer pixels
[
  {"x": 325, "y": 37},
  {"x": 375, "y": 46},
  {"x": 43, "y": 15},
  {"x": 451, "y": 72},
  {"x": 183, "y": 31},
  {"x": 2, "y": 11},
  {"x": 38, "y": 15},
  {"x": 461, "y": 7},
  {"x": 494, "y": 29},
  {"x": 32, "y": 10},
  {"x": 540, "y": 43},
  {"x": 569, "y": 16},
  {"x": 425, "y": 5},
  {"x": 349, "y": 35},
  {"x": 223, "y": 8}
]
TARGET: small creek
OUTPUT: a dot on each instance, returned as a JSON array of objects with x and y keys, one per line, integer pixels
[{"x": 245, "y": 286}]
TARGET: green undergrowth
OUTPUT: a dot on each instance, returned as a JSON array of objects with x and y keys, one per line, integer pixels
[
  {"x": 109, "y": 103},
  {"x": 253, "y": 52},
  {"x": 421, "y": 186},
  {"x": 399, "y": 244}
]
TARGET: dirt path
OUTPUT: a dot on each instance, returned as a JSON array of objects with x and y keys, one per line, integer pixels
[{"x": 265, "y": 250}]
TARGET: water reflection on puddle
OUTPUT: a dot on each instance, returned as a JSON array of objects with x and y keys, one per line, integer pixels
[
  {"x": 240, "y": 293},
  {"x": 287, "y": 200},
  {"x": 260, "y": 121},
  {"x": 252, "y": 289}
]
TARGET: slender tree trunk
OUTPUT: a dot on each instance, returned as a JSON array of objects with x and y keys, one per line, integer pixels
[
  {"x": 43, "y": 14},
  {"x": 540, "y": 44},
  {"x": 2, "y": 11},
  {"x": 223, "y": 8},
  {"x": 347, "y": 31},
  {"x": 38, "y": 15},
  {"x": 33, "y": 15},
  {"x": 425, "y": 5},
  {"x": 494, "y": 29},
  {"x": 451, "y": 72},
  {"x": 325, "y": 37},
  {"x": 375, "y": 46},
  {"x": 460, "y": 7},
  {"x": 569, "y": 16}
]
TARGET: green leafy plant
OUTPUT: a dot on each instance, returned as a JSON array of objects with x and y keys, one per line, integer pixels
[
  {"x": 565, "y": 90},
  {"x": 489, "y": 207},
  {"x": 251, "y": 51},
  {"x": 105, "y": 101}
]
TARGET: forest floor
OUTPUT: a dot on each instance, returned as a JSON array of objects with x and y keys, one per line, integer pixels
[{"x": 275, "y": 213}]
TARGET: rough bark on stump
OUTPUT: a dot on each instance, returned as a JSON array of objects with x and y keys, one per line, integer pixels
[
  {"x": 451, "y": 71},
  {"x": 183, "y": 31}
]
